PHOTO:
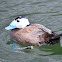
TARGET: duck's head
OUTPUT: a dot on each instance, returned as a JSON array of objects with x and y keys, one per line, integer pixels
[{"x": 19, "y": 22}]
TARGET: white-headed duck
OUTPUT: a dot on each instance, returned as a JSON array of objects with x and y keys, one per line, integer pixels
[{"x": 31, "y": 34}]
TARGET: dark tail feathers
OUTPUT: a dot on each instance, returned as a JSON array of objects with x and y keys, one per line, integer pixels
[
  {"x": 54, "y": 39},
  {"x": 56, "y": 36}
]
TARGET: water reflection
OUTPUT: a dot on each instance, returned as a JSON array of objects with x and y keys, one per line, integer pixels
[{"x": 38, "y": 50}]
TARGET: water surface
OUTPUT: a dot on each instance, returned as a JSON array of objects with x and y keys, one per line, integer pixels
[{"x": 46, "y": 12}]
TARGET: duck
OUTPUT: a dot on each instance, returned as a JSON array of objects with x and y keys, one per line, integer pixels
[{"x": 31, "y": 34}]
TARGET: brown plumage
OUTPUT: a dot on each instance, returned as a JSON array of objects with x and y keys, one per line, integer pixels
[{"x": 35, "y": 34}]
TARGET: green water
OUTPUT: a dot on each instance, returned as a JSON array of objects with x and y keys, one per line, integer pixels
[{"x": 46, "y": 12}]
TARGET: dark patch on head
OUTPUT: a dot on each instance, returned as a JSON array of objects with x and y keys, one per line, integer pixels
[
  {"x": 28, "y": 25},
  {"x": 19, "y": 17}
]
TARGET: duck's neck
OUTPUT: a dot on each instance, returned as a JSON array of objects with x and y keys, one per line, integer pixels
[
  {"x": 28, "y": 25},
  {"x": 15, "y": 29}
]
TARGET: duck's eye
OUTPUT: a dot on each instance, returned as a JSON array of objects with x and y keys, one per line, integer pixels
[{"x": 18, "y": 21}]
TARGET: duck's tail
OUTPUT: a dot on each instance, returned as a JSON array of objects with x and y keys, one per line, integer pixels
[
  {"x": 57, "y": 36},
  {"x": 54, "y": 39}
]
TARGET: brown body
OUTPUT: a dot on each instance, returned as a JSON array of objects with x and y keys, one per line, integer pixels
[{"x": 32, "y": 35}]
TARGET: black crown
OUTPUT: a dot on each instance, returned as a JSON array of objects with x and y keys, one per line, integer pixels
[{"x": 19, "y": 17}]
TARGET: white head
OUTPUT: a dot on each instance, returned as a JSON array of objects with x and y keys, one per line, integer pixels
[{"x": 19, "y": 22}]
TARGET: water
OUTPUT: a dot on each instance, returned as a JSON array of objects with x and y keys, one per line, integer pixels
[{"x": 46, "y": 12}]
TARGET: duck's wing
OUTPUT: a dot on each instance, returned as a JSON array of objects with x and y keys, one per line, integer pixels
[
  {"x": 42, "y": 27},
  {"x": 46, "y": 29}
]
